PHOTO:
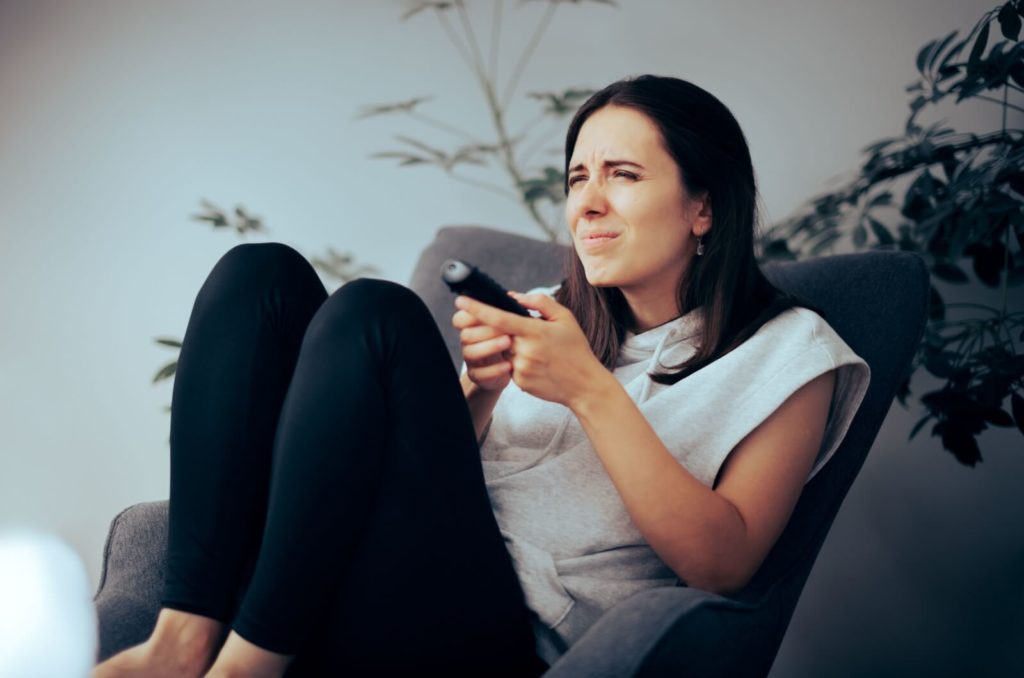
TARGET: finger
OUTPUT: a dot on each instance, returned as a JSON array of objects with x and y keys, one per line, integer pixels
[
  {"x": 548, "y": 307},
  {"x": 463, "y": 319},
  {"x": 508, "y": 323},
  {"x": 484, "y": 349},
  {"x": 472, "y": 335},
  {"x": 490, "y": 371}
]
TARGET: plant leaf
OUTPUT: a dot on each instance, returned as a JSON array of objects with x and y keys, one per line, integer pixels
[
  {"x": 924, "y": 53},
  {"x": 917, "y": 427},
  {"x": 1009, "y": 21},
  {"x": 399, "y": 106},
  {"x": 936, "y": 306},
  {"x": 979, "y": 47},
  {"x": 949, "y": 272},
  {"x": 938, "y": 50},
  {"x": 883, "y": 198},
  {"x": 166, "y": 371},
  {"x": 1017, "y": 407},
  {"x": 987, "y": 262},
  {"x": 860, "y": 235},
  {"x": 418, "y": 7},
  {"x": 174, "y": 343},
  {"x": 997, "y": 416},
  {"x": 881, "y": 232},
  {"x": 778, "y": 249}
]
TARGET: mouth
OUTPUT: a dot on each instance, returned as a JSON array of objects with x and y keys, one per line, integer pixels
[{"x": 595, "y": 240}]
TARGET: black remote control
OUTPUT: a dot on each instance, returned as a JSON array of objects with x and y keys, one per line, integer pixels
[{"x": 463, "y": 278}]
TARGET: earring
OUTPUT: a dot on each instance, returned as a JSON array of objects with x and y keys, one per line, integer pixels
[{"x": 700, "y": 246}]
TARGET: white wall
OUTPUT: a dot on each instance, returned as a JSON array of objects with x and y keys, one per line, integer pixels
[{"x": 117, "y": 117}]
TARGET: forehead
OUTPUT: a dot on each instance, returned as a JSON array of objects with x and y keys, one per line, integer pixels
[{"x": 619, "y": 131}]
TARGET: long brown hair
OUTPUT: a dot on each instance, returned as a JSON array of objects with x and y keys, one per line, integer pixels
[{"x": 725, "y": 282}]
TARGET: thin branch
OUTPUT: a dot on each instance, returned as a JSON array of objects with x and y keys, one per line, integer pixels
[
  {"x": 463, "y": 51},
  {"x": 537, "y": 34},
  {"x": 495, "y": 41},
  {"x": 486, "y": 186},
  {"x": 528, "y": 153},
  {"x": 997, "y": 101},
  {"x": 533, "y": 121},
  {"x": 1006, "y": 244},
  {"x": 444, "y": 126},
  {"x": 965, "y": 304},
  {"x": 467, "y": 26}
]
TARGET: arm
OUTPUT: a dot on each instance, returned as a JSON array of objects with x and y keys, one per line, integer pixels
[
  {"x": 714, "y": 539},
  {"x": 481, "y": 404}
]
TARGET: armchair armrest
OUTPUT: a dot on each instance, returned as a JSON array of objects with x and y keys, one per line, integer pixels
[
  {"x": 131, "y": 580},
  {"x": 676, "y": 631}
]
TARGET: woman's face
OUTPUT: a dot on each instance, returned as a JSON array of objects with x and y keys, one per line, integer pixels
[{"x": 622, "y": 181}]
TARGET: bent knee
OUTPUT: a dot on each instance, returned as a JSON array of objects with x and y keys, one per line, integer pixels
[
  {"x": 372, "y": 300},
  {"x": 250, "y": 268},
  {"x": 262, "y": 257},
  {"x": 377, "y": 293}
]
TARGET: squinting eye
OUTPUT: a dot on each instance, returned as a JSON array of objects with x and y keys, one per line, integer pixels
[
  {"x": 572, "y": 180},
  {"x": 628, "y": 175}
]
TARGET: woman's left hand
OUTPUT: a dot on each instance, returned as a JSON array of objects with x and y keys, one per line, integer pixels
[{"x": 551, "y": 357}]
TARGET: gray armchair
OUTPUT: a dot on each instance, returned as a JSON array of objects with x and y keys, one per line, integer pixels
[{"x": 876, "y": 301}]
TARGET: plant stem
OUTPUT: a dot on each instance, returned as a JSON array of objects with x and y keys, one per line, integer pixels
[
  {"x": 478, "y": 58},
  {"x": 528, "y": 52},
  {"x": 444, "y": 126},
  {"x": 495, "y": 40},
  {"x": 965, "y": 304},
  {"x": 532, "y": 150},
  {"x": 1001, "y": 103},
  {"x": 1006, "y": 251},
  {"x": 533, "y": 121},
  {"x": 497, "y": 111},
  {"x": 486, "y": 186},
  {"x": 463, "y": 51}
]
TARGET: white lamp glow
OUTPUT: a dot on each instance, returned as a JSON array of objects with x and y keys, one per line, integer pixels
[{"x": 47, "y": 618}]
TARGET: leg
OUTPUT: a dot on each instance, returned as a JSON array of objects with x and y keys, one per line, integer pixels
[
  {"x": 381, "y": 551},
  {"x": 236, "y": 360}
]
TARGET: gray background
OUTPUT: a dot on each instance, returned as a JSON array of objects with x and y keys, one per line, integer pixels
[{"x": 117, "y": 117}]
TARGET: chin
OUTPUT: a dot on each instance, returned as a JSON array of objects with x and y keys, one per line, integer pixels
[{"x": 602, "y": 281}]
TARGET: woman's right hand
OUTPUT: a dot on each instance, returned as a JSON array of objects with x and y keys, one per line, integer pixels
[{"x": 484, "y": 350}]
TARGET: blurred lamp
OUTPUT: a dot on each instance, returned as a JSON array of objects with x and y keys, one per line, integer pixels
[{"x": 47, "y": 618}]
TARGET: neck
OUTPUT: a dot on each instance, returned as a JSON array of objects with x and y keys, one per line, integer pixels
[{"x": 651, "y": 312}]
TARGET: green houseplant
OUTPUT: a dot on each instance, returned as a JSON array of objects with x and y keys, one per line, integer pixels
[{"x": 961, "y": 207}]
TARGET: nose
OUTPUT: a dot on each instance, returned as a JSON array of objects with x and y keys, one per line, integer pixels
[{"x": 590, "y": 200}]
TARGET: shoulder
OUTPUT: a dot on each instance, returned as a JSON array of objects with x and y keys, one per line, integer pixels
[
  {"x": 799, "y": 328},
  {"x": 805, "y": 329}
]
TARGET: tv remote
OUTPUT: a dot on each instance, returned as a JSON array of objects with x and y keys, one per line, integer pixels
[{"x": 467, "y": 279}]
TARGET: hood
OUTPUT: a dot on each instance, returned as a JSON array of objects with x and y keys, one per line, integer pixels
[{"x": 649, "y": 345}]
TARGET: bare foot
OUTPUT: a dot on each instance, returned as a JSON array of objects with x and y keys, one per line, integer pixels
[
  {"x": 239, "y": 657},
  {"x": 182, "y": 645}
]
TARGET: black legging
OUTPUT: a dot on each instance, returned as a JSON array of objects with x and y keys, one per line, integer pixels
[{"x": 327, "y": 496}]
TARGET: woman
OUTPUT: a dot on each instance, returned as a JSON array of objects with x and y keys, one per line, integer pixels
[{"x": 386, "y": 545}]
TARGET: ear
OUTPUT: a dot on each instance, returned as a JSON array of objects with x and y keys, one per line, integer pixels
[{"x": 702, "y": 214}]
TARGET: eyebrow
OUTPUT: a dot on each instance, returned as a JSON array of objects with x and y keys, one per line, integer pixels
[{"x": 607, "y": 163}]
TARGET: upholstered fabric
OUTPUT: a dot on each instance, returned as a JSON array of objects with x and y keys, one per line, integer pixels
[{"x": 876, "y": 301}]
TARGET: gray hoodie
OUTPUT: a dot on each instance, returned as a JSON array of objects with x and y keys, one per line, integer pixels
[{"x": 572, "y": 542}]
